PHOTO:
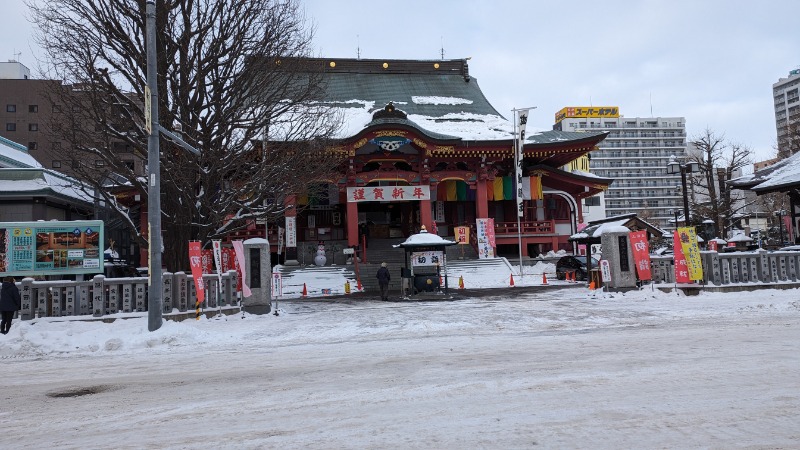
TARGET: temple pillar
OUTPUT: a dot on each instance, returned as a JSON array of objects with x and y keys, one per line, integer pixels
[
  {"x": 425, "y": 216},
  {"x": 352, "y": 224},
  {"x": 481, "y": 200}
]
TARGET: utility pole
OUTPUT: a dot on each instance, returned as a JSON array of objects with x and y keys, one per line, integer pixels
[
  {"x": 154, "y": 291},
  {"x": 154, "y": 130}
]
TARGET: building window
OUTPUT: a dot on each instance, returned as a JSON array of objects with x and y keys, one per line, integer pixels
[
  {"x": 33, "y": 108},
  {"x": 11, "y": 126},
  {"x": 99, "y": 163},
  {"x": 56, "y": 164},
  {"x": 31, "y": 145},
  {"x": 11, "y": 108},
  {"x": 592, "y": 201},
  {"x": 33, "y": 127}
]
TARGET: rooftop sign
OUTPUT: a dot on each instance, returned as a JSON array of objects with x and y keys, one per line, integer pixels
[{"x": 587, "y": 111}]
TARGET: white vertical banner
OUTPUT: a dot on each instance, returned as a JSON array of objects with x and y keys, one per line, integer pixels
[
  {"x": 522, "y": 120},
  {"x": 238, "y": 248},
  {"x": 291, "y": 232},
  {"x": 217, "y": 246},
  {"x": 280, "y": 240}
]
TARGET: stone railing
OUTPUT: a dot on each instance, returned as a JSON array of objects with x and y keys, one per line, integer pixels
[
  {"x": 737, "y": 267},
  {"x": 103, "y": 296}
]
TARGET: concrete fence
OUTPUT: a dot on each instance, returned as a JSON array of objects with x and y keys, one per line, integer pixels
[
  {"x": 759, "y": 266},
  {"x": 103, "y": 296}
]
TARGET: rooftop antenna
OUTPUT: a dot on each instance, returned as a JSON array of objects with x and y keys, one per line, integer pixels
[
  {"x": 441, "y": 40},
  {"x": 358, "y": 47},
  {"x": 16, "y": 56}
]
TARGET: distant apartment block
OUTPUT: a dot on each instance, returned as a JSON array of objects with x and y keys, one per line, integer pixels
[
  {"x": 787, "y": 113},
  {"x": 635, "y": 154}
]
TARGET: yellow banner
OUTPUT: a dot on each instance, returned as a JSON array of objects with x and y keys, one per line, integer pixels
[
  {"x": 691, "y": 251},
  {"x": 587, "y": 111}
]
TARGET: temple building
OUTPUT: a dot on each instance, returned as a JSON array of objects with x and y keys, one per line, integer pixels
[{"x": 422, "y": 146}]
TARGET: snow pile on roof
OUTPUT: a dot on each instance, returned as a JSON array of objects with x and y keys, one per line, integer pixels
[
  {"x": 356, "y": 114},
  {"x": 424, "y": 238},
  {"x": 739, "y": 236},
  {"x": 13, "y": 155},
  {"x": 435, "y": 100}
]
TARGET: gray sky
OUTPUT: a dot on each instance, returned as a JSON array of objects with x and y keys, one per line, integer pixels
[{"x": 712, "y": 62}]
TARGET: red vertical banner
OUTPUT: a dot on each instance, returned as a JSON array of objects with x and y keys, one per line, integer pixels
[
  {"x": 712, "y": 245},
  {"x": 207, "y": 260},
  {"x": 681, "y": 269},
  {"x": 641, "y": 254},
  {"x": 195, "y": 261},
  {"x": 490, "y": 232}
]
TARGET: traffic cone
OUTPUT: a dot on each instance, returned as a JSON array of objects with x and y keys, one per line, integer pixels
[
  {"x": 305, "y": 291},
  {"x": 591, "y": 286},
  {"x": 461, "y": 282},
  {"x": 544, "y": 278},
  {"x": 511, "y": 280}
]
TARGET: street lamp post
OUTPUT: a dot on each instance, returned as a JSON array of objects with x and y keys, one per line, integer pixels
[{"x": 674, "y": 167}]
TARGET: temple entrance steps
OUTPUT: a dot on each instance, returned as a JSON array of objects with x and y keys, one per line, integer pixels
[
  {"x": 499, "y": 267},
  {"x": 315, "y": 278}
]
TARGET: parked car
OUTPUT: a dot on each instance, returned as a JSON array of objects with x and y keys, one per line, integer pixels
[{"x": 574, "y": 263}]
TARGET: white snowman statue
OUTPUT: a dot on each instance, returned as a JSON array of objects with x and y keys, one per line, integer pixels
[{"x": 320, "y": 259}]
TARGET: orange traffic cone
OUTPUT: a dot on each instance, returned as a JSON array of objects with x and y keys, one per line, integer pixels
[
  {"x": 591, "y": 286},
  {"x": 511, "y": 280},
  {"x": 544, "y": 278},
  {"x": 305, "y": 291},
  {"x": 461, "y": 282}
]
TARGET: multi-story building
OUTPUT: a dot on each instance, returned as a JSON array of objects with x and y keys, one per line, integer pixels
[
  {"x": 635, "y": 154},
  {"x": 786, "y": 94},
  {"x": 26, "y": 110}
]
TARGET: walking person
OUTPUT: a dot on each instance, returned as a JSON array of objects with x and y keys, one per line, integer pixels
[
  {"x": 10, "y": 303},
  {"x": 383, "y": 281}
]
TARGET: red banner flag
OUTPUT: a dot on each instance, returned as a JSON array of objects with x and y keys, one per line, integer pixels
[
  {"x": 195, "y": 261},
  {"x": 641, "y": 254},
  {"x": 681, "y": 269}
]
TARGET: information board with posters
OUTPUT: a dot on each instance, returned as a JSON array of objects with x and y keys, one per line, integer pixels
[{"x": 49, "y": 248}]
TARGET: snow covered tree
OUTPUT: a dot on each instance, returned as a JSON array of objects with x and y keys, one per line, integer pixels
[
  {"x": 224, "y": 87},
  {"x": 719, "y": 161}
]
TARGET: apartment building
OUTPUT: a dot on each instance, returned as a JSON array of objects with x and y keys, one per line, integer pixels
[
  {"x": 26, "y": 110},
  {"x": 786, "y": 93},
  {"x": 635, "y": 154}
]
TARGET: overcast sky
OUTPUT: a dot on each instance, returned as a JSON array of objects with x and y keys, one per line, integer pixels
[{"x": 712, "y": 62}]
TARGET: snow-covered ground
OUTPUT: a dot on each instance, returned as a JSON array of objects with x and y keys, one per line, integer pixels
[{"x": 555, "y": 368}]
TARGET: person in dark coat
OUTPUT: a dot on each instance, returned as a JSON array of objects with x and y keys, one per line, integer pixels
[
  {"x": 383, "y": 281},
  {"x": 10, "y": 303}
]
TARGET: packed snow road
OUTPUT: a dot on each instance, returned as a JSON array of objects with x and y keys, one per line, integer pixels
[{"x": 555, "y": 369}]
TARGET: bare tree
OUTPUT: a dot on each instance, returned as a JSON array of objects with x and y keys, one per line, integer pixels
[
  {"x": 719, "y": 162},
  {"x": 231, "y": 76}
]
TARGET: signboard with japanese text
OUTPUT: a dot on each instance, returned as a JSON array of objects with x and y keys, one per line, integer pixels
[
  {"x": 291, "y": 232},
  {"x": 681, "y": 272},
  {"x": 691, "y": 252},
  {"x": 462, "y": 235},
  {"x": 713, "y": 245},
  {"x": 485, "y": 232},
  {"x": 427, "y": 258},
  {"x": 388, "y": 193},
  {"x": 277, "y": 285},
  {"x": 605, "y": 270},
  {"x": 49, "y": 248},
  {"x": 641, "y": 254},
  {"x": 587, "y": 112}
]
